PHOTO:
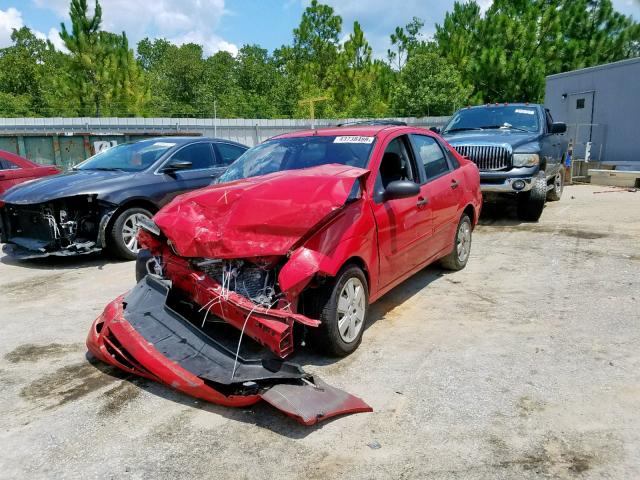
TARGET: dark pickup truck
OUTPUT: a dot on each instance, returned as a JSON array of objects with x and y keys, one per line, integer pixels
[{"x": 518, "y": 149}]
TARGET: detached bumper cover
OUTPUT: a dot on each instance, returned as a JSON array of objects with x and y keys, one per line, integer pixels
[{"x": 140, "y": 334}]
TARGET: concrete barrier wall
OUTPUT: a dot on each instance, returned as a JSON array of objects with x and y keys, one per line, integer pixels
[{"x": 68, "y": 141}]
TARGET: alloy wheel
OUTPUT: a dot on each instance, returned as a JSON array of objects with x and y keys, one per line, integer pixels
[{"x": 351, "y": 310}]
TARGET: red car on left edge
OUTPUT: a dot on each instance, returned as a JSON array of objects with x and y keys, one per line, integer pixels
[
  {"x": 292, "y": 244},
  {"x": 15, "y": 169}
]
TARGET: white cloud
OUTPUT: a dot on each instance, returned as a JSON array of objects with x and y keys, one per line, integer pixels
[
  {"x": 180, "y": 21},
  {"x": 9, "y": 19},
  {"x": 210, "y": 43}
]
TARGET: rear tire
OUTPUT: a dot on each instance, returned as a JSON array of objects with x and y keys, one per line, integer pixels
[
  {"x": 342, "y": 308},
  {"x": 531, "y": 203},
  {"x": 122, "y": 240},
  {"x": 459, "y": 256},
  {"x": 558, "y": 186}
]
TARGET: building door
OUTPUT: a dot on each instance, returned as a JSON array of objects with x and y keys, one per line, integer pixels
[{"x": 579, "y": 123}]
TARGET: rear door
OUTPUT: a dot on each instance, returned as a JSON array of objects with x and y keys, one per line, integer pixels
[
  {"x": 402, "y": 224},
  {"x": 442, "y": 188}
]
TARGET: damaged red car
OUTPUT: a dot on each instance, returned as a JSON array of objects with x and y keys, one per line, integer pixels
[{"x": 295, "y": 241}]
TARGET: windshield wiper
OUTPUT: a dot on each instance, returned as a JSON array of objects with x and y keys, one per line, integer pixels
[
  {"x": 462, "y": 129},
  {"x": 505, "y": 125},
  {"x": 106, "y": 169}
]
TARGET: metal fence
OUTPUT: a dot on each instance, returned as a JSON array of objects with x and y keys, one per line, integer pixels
[{"x": 67, "y": 141}]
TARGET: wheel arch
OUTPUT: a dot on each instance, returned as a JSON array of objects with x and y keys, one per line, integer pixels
[{"x": 130, "y": 203}]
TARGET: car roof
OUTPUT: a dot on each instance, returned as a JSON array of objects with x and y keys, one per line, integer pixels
[
  {"x": 18, "y": 160},
  {"x": 363, "y": 131},
  {"x": 182, "y": 140},
  {"x": 507, "y": 104}
]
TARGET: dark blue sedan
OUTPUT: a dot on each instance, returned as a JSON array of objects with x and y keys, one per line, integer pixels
[{"x": 100, "y": 203}]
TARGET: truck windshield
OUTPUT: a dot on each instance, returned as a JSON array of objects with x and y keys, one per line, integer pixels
[
  {"x": 127, "y": 157},
  {"x": 509, "y": 117},
  {"x": 300, "y": 152}
]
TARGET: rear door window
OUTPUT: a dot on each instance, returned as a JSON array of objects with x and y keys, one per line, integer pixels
[
  {"x": 431, "y": 155},
  {"x": 228, "y": 153},
  {"x": 199, "y": 154}
]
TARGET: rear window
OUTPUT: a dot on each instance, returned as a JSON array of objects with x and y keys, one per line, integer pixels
[{"x": 7, "y": 165}]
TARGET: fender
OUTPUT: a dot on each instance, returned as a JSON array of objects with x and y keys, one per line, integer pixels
[{"x": 350, "y": 234}]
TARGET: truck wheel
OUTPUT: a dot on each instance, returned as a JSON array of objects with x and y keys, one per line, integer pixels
[
  {"x": 457, "y": 259},
  {"x": 343, "y": 310},
  {"x": 558, "y": 185},
  {"x": 531, "y": 203},
  {"x": 123, "y": 240}
]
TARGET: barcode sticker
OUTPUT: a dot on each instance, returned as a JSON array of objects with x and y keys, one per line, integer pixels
[{"x": 353, "y": 139}]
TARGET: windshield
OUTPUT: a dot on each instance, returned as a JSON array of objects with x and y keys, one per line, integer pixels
[
  {"x": 127, "y": 157},
  {"x": 510, "y": 117},
  {"x": 300, "y": 152}
]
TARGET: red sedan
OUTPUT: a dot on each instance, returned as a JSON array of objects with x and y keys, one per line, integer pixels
[
  {"x": 14, "y": 170},
  {"x": 300, "y": 235}
]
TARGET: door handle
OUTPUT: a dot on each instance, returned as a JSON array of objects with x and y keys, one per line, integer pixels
[
  {"x": 454, "y": 184},
  {"x": 422, "y": 202}
]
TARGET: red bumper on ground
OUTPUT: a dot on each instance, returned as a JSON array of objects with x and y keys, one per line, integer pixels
[{"x": 114, "y": 340}]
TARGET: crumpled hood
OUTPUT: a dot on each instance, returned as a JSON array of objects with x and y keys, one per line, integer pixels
[
  {"x": 487, "y": 137},
  {"x": 258, "y": 216},
  {"x": 79, "y": 182}
]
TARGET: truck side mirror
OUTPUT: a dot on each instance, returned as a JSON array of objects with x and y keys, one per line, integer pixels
[
  {"x": 436, "y": 130},
  {"x": 558, "y": 127}
]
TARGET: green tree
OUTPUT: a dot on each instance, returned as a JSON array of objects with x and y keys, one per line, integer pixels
[
  {"x": 354, "y": 79},
  {"x": 31, "y": 71},
  {"x": 428, "y": 85},
  {"x": 506, "y": 54},
  {"x": 404, "y": 41},
  {"x": 100, "y": 63}
]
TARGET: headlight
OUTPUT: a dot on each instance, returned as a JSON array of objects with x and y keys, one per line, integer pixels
[
  {"x": 525, "y": 159},
  {"x": 149, "y": 225}
]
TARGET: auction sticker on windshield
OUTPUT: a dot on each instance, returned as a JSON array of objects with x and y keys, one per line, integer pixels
[
  {"x": 527, "y": 112},
  {"x": 353, "y": 139}
]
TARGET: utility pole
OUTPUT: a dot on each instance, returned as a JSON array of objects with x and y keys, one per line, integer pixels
[
  {"x": 312, "y": 102},
  {"x": 215, "y": 118}
]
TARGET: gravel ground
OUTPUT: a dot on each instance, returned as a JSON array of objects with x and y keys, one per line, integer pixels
[{"x": 524, "y": 365}]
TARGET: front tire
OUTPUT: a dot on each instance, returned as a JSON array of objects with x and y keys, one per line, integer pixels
[
  {"x": 558, "y": 186},
  {"x": 123, "y": 240},
  {"x": 343, "y": 310},
  {"x": 457, "y": 259},
  {"x": 531, "y": 203}
]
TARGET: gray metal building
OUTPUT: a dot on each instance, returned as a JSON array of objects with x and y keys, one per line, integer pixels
[{"x": 601, "y": 106}]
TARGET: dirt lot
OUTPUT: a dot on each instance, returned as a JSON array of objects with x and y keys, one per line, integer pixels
[{"x": 524, "y": 365}]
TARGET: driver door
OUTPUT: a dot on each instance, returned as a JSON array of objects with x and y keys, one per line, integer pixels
[
  {"x": 201, "y": 173},
  {"x": 402, "y": 224}
]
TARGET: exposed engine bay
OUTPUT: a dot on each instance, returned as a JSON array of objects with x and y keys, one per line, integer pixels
[
  {"x": 65, "y": 226},
  {"x": 256, "y": 282}
]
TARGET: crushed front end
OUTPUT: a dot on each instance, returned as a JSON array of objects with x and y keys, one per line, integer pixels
[
  {"x": 64, "y": 226},
  {"x": 218, "y": 297}
]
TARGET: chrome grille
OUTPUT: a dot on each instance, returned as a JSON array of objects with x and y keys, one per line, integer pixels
[{"x": 487, "y": 157}]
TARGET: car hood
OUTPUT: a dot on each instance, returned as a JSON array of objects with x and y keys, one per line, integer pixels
[
  {"x": 489, "y": 137},
  {"x": 79, "y": 182},
  {"x": 259, "y": 216}
]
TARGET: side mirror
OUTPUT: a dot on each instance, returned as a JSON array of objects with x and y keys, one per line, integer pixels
[
  {"x": 558, "y": 127},
  {"x": 176, "y": 165},
  {"x": 436, "y": 130},
  {"x": 401, "y": 189}
]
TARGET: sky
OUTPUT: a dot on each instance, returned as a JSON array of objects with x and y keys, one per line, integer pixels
[{"x": 229, "y": 24}]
